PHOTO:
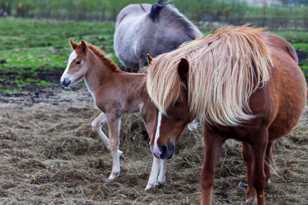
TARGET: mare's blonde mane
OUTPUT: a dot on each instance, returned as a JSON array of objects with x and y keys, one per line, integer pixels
[{"x": 225, "y": 69}]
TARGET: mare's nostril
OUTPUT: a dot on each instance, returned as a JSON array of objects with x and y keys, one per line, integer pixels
[
  {"x": 66, "y": 82},
  {"x": 171, "y": 150},
  {"x": 163, "y": 151}
]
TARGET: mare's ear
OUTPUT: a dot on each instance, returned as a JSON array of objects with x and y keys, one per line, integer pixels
[
  {"x": 149, "y": 58},
  {"x": 73, "y": 44},
  {"x": 183, "y": 69},
  {"x": 83, "y": 46}
]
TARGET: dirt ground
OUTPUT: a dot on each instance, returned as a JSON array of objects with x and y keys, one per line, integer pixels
[{"x": 48, "y": 155}]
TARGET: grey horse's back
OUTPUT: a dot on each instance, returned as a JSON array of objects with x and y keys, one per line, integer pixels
[{"x": 154, "y": 29}]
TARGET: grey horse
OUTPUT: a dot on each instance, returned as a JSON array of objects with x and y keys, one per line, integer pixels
[{"x": 153, "y": 29}]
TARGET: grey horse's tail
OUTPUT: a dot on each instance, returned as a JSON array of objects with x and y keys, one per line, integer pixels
[{"x": 156, "y": 9}]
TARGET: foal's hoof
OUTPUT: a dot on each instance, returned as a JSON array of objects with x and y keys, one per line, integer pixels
[
  {"x": 251, "y": 201},
  {"x": 243, "y": 186}
]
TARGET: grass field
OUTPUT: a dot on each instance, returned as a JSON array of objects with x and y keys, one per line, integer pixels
[{"x": 33, "y": 53}]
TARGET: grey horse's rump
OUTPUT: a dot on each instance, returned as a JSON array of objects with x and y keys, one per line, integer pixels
[{"x": 153, "y": 29}]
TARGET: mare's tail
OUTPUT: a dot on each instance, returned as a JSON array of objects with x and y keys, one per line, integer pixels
[{"x": 156, "y": 9}]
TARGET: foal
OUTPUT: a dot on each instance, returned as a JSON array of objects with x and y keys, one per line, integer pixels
[{"x": 115, "y": 92}]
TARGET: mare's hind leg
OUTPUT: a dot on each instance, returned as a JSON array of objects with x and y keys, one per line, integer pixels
[
  {"x": 114, "y": 126},
  {"x": 248, "y": 156}
]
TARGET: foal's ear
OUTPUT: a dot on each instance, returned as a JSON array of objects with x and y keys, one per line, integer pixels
[
  {"x": 73, "y": 44},
  {"x": 149, "y": 58},
  {"x": 83, "y": 46},
  {"x": 183, "y": 69}
]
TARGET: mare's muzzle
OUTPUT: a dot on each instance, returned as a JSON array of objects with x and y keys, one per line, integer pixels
[
  {"x": 164, "y": 151},
  {"x": 66, "y": 82}
]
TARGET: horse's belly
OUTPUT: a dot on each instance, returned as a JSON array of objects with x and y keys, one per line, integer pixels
[
  {"x": 125, "y": 43},
  {"x": 289, "y": 99}
]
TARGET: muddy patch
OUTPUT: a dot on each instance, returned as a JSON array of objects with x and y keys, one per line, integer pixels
[{"x": 49, "y": 155}]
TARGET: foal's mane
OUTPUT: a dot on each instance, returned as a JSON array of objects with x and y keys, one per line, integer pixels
[
  {"x": 225, "y": 69},
  {"x": 103, "y": 57}
]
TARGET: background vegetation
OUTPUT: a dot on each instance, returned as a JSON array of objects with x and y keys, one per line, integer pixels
[
  {"x": 292, "y": 13},
  {"x": 34, "y": 50}
]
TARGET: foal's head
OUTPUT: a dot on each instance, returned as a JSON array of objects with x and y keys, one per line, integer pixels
[
  {"x": 171, "y": 120},
  {"x": 77, "y": 65}
]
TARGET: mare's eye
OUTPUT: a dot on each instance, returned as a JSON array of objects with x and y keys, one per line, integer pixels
[{"x": 177, "y": 103}]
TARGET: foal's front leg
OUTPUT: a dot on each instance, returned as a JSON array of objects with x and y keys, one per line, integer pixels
[
  {"x": 97, "y": 125},
  {"x": 213, "y": 146},
  {"x": 114, "y": 126}
]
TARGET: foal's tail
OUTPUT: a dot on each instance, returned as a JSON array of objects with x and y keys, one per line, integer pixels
[{"x": 156, "y": 9}]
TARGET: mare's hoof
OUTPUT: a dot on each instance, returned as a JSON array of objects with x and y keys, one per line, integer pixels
[
  {"x": 113, "y": 176},
  {"x": 154, "y": 186},
  {"x": 121, "y": 155},
  {"x": 151, "y": 186}
]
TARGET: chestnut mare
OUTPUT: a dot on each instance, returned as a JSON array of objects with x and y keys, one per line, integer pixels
[
  {"x": 244, "y": 83},
  {"x": 115, "y": 92}
]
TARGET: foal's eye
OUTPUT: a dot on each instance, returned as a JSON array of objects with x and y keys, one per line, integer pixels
[{"x": 78, "y": 62}]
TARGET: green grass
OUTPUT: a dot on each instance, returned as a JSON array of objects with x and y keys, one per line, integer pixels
[{"x": 32, "y": 49}]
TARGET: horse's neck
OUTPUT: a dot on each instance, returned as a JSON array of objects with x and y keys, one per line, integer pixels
[
  {"x": 131, "y": 85},
  {"x": 98, "y": 75}
]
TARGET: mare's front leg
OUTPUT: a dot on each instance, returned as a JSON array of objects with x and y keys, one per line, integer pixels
[
  {"x": 114, "y": 126},
  {"x": 248, "y": 157},
  {"x": 158, "y": 173},
  {"x": 259, "y": 147},
  {"x": 213, "y": 146}
]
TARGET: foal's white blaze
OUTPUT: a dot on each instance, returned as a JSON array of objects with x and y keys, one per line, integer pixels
[
  {"x": 71, "y": 58},
  {"x": 156, "y": 149}
]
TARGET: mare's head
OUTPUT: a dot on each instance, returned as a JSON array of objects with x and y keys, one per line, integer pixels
[
  {"x": 172, "y": 118},
  {"x": 77, "y": 65}
]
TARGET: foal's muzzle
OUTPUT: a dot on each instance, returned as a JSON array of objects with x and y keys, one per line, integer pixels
[
  {"x": 164, "y": 151},
  {"x": 66, "y": 82}
]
